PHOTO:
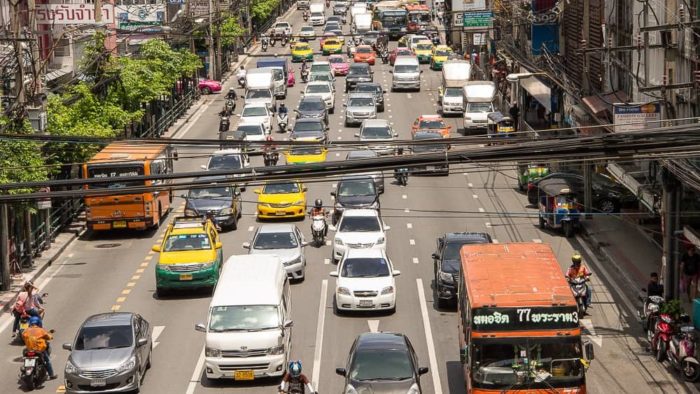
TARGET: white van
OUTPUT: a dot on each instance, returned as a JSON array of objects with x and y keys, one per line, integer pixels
[
  {"x": 318, "y": 16},
  {"x": 406, "y": 73},
  {"x": 260, "y": 87},
  {"x": 249, "y": 327}
]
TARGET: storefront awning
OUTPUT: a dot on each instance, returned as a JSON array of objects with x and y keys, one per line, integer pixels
[
  {"x": 535, "y": 88},
  {"x": 600, "y": 103}
]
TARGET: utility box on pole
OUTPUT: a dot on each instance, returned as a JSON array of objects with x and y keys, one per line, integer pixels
[{"x": 37, "y": 117}]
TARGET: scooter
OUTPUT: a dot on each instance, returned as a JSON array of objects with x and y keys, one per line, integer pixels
[
  {"x": 263, "y": 44},
  {"x": 401, "y": 176},
  {"x": 306, "y": 17},
  {"x": 229, "y": 106},
  {"x": 304, "y": 75},
  {"x": 270, "y": 158},
  {"x": 385, "y": 56},
  {"x": 649, "y": 312},
  {"x": 273, "y": 40},
  {"x": 681, "y": 352},
  {"x": 282, "y": 122},
  {"x": 579, "y": 288},
  {"x": 32, "y": 372},
  {"x": 285, "y": 40},
  {"x": 224, "y": 124},
  {"x": 318, "y": 229},
  {"x": 663, "y": 331},
  {"x": 241, "y": 82}
]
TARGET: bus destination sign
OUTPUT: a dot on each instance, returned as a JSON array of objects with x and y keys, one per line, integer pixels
[{"x": 514, "y": 319}]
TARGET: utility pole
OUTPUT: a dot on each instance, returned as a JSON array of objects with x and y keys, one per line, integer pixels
[
  {"x": 218, "y": 71},
  {"x": 210, "y": 39},
  {"x": 4, "y": 249}
]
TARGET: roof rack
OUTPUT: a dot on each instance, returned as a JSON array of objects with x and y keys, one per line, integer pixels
[{"x": 188, "y": 222}]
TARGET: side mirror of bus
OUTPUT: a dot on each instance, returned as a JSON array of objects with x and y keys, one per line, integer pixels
[
  {"x": 175, "y": 155},
  {"x": 464, "y": 355},
  {"x": 588, "y": 351}
]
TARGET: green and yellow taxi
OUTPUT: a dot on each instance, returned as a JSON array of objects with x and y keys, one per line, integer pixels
[
  {"x": 331, "y": 46},
  {"x": 301, "y": 51},
  {"x": 423, "y": 51},
  {"x": 190, "y": 255},
  {"x": 306, "y": 155},
  {"x": 440, "y": 55}
]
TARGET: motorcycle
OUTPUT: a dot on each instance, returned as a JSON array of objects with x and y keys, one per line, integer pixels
[
  {"x": 32, "y": 372},
  {"x": 681, "y": 352},
  {"x": 650, "y": 313},
  {"x": 229, "y": 106},
  {"x": 270, "y": 158},
  {"x": 579, "y": 288},
  {"x": 285, "y": 40},
  {"x": 263, "y": 44},
  {"x": 306, "y": 16},
  {"x": 282, "y": 122},
  {"x": 401, "y": 176},
  {"x": 241, "y": 82},
  {"x": 385, "y": 56},
  {"x": 318, "y": 229},
  {"x": 211, "y": 215},
  {"x": 224, "y": 124},
  {"x": 304, "y": 75},
  {"x": 663, "y": 331},
  {"x": 273, "y": 40}
]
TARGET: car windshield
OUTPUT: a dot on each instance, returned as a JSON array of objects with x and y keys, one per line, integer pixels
[
  {"x": 361, "y": 102},
  {"x": 357, "y": 71},
  {"x": 302, "y": 47},
  {"x": 243, "y": 318},
  {"x": 282, "y": 25},
  {"x": 356, "y": 188},
  {"x": 479, "y": 107},
  {"x": 336, "y": 60},
  {"x": 320, "y": 68},
  {"x": 281, "y": 188},
  {"x": 453, "y": 92},
  {"x": 225, "y": 162},
  {"x": 307, "y": 28},
  {"x": 403, "y": 52},
  {"x": 251, "y": 129},
  {"x": 254, "y": 111},
  {"x": 384, "y": 364},
  {"x": 376, "y": 132},
  {"x": 258, "y": 93},
  {"x": 363, "y": 50},
  {"x": 311, "y": 105},
  {"x": 307, "y": 127},
  {"x": 306, "y": 150},
  {"x": 361, "y": 154},
  {"x": 321, "y": 77},
  {"x": 424, "y": 47},
  {"x": 331, "y": 42},
  {"x": 428, "y": 147},
  {"x": 187, "y": 242},
  {"x": 359, "y": 224},
  {"x": 442, "y": 52},
  {"x": 284, "y": 240},
  {"x": 431, "y": 124},
  {"x": 104, "y": 337},
  {"x": 405, "y": 68},
  {"x": 210, "y": 193},
  {"x": 451, "y": 258},
  {"x": 321, "y": 88},
  {"x": 373, "y": 267},
  {"x": 368, "y": 88}
]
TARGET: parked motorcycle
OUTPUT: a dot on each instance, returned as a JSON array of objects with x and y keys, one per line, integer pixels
[
  {"x": 32, "y": 372},
  {"x": 663, "y": 331},
  {"x": 681, "y": 352},
  {"x": 649, "y": 313},
  {"x": 282, "y": 122},
  {"x": 580, "y": 289},
  {"x": 270, "y": 158},
  {"x": 401, "y": 176},
  {"x": 318, "y": 229}
]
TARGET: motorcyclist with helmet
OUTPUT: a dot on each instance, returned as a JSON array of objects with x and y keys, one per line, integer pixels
[
  {"x": 294, "y": 381},
  {"x": 270, "y": 154},
  {"x": 318, "y": 210},
  {"x": 231, "y": 95},
  {"x": 36, "y": 340},
  {"x": 578, "y": 269}
]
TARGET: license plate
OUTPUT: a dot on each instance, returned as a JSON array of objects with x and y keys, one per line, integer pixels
[
  {"x": 119, "y": 224},
  {"x": 280, "y": 213},
  {"x": 244, "y": 375},
  {"x": 23, "y": 325},
  {"x": 29, "y": 362},
  {"x": 366, "y": 303},
  {"x": 98, "y": 383},
  {"x": 185, "y": 276}
]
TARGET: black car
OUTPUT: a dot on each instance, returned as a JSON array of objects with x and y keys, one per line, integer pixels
[
  {"x": 447, "y": 261},
  {"x": 308, "y": 128},
  {"x": 358, "y": 72},
  {"x": 382, "y": 362},
  {"x": 608, "y": 196},
  {"x": 221, "y": 200},
  {"x": 354, "y": 192},
  {"x": 312, "y": 107},
  {"x": 374, "y": 88},
  {"x": 443, "y": 169}
]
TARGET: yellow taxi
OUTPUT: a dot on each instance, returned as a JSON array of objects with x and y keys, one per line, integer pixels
[
  {"x": 440, "y": 55},
  {"x": 301, "y": 51},
  {"x": 331, "y": 46},
  {"x": 306, "y": 155},
  {"x": 190, "y": 255},
  {"x": 284, "y": 199},
  {"x": 423, "y": 51}
]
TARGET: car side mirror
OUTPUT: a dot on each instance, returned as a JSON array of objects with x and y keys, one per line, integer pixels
[
  {"x": 246, "y": 245},
  {"x": 345, "y": 105},
  {"x": 257, "y": 191},
  {"x": 67, "y": 346},
  {"x": 218, "y": 245},
  {"x": 340, "y": 371},
  {"x": 588, "y": 349},
  {"x": 203, "y": 166},
  {"x": 156, "y": 248},
  {"x": 435, "y": 256},
  {"x": 390, "y": 72},
  {"x": 384, "y": 91},
  {"x": 200, "y": 327},
  {"x": 333, "y": 274},
  {"x": 304, "y": 189},
  {"x": 395, "y": 135},
  {"x": 396, "y": 272},
  {"x": 183, "y": 196},
  {"x": 422, "y": 370},
  {"x": 333, "y": 194},
  {"x": 387, "y": 228},
  {"x": 288, "y": 323},
  {"x": 141, "y": 341},
  {"x": 357, "y": 135}
]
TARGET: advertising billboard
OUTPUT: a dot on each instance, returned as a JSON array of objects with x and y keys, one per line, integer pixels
[{"x": 636, "y": 116}]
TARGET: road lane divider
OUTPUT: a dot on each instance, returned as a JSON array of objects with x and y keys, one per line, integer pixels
[
  {"x": 412, "y": 242},
  {"x": 320, "y": 323},
  {"x": 437, "y": 386},
  {"x": 373, "y": 325},
  {"x": 196, "y": 374},
  {"x": 415, "y": 260},
  {"x": 157, "y": 330}
]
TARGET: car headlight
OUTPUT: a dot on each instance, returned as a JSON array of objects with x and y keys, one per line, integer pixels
[
  {"x": 300, "y": 202},
  {"x": 374, "y": 205},
  {"x": 445, "y": 277},
  {"x": 380, "y": 240},
  {"x": 343, "y": 291},
  {"x": 190, "y": 212},
  {"x": 388, "y": 290},
  {"x": 339, "y": 241},
  {"x": 70, "y": 368},
  {"x": 467, "y": 118},
  {"x": 211, "y": 352},
  {"x": 226, "y": 211},
  {"x": 292, "y": 262},
  {"x": 163, "y": 267},
  {"x": 350, "y": 390},
  {"x": 414, "y": 389},
  {"x": 129, "y": 365},
  {"x": 276, "y": 350},
  {"x": 206, "y": 266}
]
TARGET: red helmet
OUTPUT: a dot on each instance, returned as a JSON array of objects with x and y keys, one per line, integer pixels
[{"x": 269, "y": 138}]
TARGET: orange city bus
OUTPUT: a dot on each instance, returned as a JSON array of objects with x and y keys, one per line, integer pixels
[
  {"x": 128, "y": 211},
  {"x": 519, "y": 327}
]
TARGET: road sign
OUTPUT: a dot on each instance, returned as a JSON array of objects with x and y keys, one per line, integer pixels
[
  {"x": 477, "y": 19},
  {"x": 635, "y": 117},
  {"x": 44, "y": 203}
]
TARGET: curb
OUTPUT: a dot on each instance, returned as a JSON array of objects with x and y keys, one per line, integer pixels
[{"x": 40, "y": 270}]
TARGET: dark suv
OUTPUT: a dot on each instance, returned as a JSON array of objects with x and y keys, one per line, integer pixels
[
  {"x": 447, "y": 261},
  {"x": 354, "y": 192},
  {"x": 374, "y": 88},
  {"x": 358, "y": 72},
  {"x": 312, "y": 107},
  {"x": 221, "y": 200}
]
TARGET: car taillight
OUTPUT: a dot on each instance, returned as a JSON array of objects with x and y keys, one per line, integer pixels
[{"x": 530, "y": 186}]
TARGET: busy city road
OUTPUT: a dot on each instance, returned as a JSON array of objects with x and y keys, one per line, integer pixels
[{"x": 115, "y": 270}]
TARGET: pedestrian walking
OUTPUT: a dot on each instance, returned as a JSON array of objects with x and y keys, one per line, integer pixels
[{"x": 690, "y": 266}]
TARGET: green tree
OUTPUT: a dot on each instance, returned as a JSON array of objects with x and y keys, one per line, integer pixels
[
  {"x": 230, "y": 30},
  {"x": 20, "y": 161},
  {"x": 262, "y": 9}
]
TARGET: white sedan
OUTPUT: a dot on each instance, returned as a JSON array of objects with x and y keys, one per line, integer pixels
[
  {"x": 365, "y": 281},
  {"x": 321, "y": 89},
  {"x": 257, "y": 113},
  {"x": 358, "y": 229},
  {"x": 307, "y": 33}
]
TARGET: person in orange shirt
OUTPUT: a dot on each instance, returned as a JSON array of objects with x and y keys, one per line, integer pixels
[
  {"x": 36, "y": 340},
  {"x": 577, "y": 269}
]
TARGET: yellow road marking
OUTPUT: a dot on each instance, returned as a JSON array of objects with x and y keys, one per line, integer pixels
[
  {"x": 126, "y": 291},
  {"x": 140, "y": 271},
  {"x": 151, "y": 252},
  {"x": 116, "y": 308},
  {"x": 131, "y": 284},
  {"x": 136, "y": 277},
  {"x": 149, "y": 257},
  {"x": 144, "y": 264},
  {"x": 61, "y": 389},
  {"x": 121, "y": 299}
]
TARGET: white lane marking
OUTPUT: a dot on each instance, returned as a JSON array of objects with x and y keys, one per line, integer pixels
[
  {"x": 415, "y": 260},
  {"x": 470, "y": 184},
  {"x": 157, "y": 330},
  {"x": 196, "y": 374},
  {"x": 326, "y": 261},
  {"x": 482, "y": 210},
  {"x": 494, "y": 241},
  {"x": 429, "y": 338},
  {"x": 328, "y": 242},
  {"x": 465, "y": 173},
  {"x": 488, "y": 225},
  {"x": 475, "y": 196},
  {"x": 340, "y": 138},
  {"x": 404, "y": 196},
  {"x": 391, "y": 116},
  {"x": 316, "y": 372},
  {"x": 589, "y": 331},
  {"x": 412, "y": 241},
  {"x": 340, "y": 123},
  {"x": 388, "y": 110},
  {"x": 337, "y": 155},
  {"x": 409, "y": 225},
  {"x": 409, "y": 96},
  {"x": 193, "y": 121},
  {"x": 373, "y": 325},
  {"x": 334, "y": 185},
  {"x": 406, "y": 210},
  {"x": 251, "y": 228},
  {"x": 537, "y": 241}
]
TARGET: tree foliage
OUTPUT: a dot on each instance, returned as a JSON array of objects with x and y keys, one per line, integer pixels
[
  {"x": 230, "y": 30},
  {"x": 262, "y": 9},
  {"x": 20, "y": 161}
]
